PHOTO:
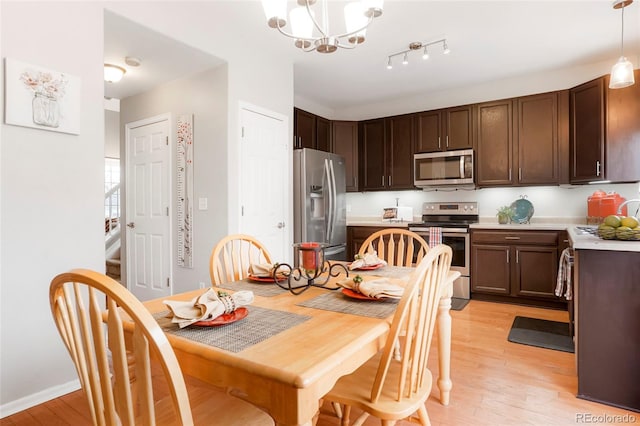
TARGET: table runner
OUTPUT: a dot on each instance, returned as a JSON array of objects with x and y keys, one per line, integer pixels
[
  {"x": 337, "y": 302},
  {"x": 398, "y": 272},
  {"x": 259, "y": 325},
  {"x": 259, "y": 289}
]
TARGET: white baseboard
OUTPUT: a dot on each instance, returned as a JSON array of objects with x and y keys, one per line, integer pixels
[{"x": 38, "y": 398}]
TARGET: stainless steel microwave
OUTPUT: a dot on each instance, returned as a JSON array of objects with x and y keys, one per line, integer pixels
[{"x": 443, "y": 168}]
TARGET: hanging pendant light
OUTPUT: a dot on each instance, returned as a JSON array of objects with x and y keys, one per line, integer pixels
[
  {"x": 622, "y": 71},
  {"x": 311, "y": 32}
]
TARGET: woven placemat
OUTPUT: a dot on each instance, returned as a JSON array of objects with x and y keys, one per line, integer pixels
[
  {"x": 259, "y": 325},
  {"x": 259, "y": 289},
  {"x": 398, "y": 272},
  {"x": 337, "y": 302}
]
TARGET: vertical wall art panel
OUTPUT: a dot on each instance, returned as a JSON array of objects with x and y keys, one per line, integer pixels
[
  {"x": 185, "y": 190},
  {"x": 41, "y": 98}
]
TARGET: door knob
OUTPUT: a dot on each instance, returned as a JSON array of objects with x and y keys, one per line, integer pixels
[
  {"x": 131, "y": 225},
  {"x": 280, "y": 225}
]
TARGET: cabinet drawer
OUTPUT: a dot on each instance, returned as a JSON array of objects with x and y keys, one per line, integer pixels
[{"x": 515, "y": 237}]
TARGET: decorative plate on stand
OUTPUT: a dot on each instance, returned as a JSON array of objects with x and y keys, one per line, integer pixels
[{"x": 522, "y": 210}]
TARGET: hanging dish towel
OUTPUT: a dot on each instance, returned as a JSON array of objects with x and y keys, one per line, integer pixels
[
  {"x": 564, "y": 274},
  {"x": 435, "y": 236}
]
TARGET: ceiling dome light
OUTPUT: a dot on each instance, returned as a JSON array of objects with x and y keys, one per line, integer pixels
[
  {"x": 113, "y": 73},
  {"x": 622, "y": 71}
]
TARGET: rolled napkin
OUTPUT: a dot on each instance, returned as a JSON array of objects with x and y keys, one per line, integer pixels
[
  {"x": 369, "y": 259},
  {"x": 262, "y": 270},
  {"x": 380, "y": 288},
  {"x": 206, "y": 307}
]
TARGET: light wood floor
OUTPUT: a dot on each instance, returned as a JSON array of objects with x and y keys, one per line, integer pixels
[{"x": 495, "y": 382}]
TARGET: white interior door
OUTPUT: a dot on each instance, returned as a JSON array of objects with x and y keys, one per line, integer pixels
[
  {"x": 147, "y": 210},
  {"x": 264, "y": 189}
]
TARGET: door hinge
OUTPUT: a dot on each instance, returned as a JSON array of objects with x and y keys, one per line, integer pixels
[
  {"x": 167, "y": 281},
  {"x": 243, "y": 131},
  {"x": 242, "y": 211},
  {"x": 166, "y": 139},
  {"x": 167, "y": 211}
]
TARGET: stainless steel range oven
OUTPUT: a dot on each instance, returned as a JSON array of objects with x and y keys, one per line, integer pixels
[{"x": 454, "y": 219}]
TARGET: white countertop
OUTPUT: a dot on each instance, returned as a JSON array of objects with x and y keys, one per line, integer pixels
[
  {"x": 377, "y": 222},
  {"x": 581, "y": 240},
  {"x": 523, "y": 227}
]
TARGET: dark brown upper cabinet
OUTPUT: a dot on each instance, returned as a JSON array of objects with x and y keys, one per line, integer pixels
[
  {"x": 605, "y": 132},
  {"x": 536, "y": 129},
  {"x": 587, "y": 109},
  {"x": 444, "y": 130},
  {"x": 494, "y": 153},
  {"x": 373, "y": 155},
  {"x": 323, "y": 134},
  {"x": 304, "y": 129},
  {"x": 517, "y": 141},
  {"x": 622, "y": 145},
  {"x": 400, "y": 141},
  {"x": 387, "y": 153},
  {"x": 344, "y": 142},
  {"x": 311, "y": 131}
]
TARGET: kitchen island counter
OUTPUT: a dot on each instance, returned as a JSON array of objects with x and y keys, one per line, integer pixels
[{"x": 582, "y": 240}]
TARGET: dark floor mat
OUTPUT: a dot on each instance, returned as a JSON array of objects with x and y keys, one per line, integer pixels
[
  {"x": 458, "y": 304},
  {"x": 541, "y": 333}
]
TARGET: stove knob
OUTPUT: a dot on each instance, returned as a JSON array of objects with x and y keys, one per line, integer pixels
[
  {"x": 471, "y": 207},
  {"x": 466, "y": 207}
]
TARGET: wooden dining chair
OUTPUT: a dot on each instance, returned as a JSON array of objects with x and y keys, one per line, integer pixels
[
  {"x": 231, "y": 257},
  {"x": 392, "y": 390},
  {"x": 396, "y": 246},
  {"x": 129, "y": 378}
]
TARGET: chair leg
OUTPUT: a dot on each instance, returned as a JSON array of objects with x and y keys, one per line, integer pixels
[
  {"x": 424, "y": 417},
  {"x": 337, "y": 409},
  {"x": 387, "y": 422},
  {"x": 346, "y": 415}
]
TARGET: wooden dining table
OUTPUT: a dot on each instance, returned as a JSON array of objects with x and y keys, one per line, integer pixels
[{"x": 288, "y": 373}]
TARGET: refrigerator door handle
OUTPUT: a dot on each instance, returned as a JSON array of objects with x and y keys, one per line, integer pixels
[
  {"x": 334, "y": 198},
  {"x": 329, "y": 214}
]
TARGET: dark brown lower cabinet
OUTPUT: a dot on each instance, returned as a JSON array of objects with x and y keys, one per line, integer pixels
[
  {"x": 607, "y": 302},
  {"x": 517, "y": 266},
  {"x": 356, "y": 236}
]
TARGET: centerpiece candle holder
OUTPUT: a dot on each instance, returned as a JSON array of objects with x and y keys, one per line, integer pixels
[{"x": 313, "y": 269}]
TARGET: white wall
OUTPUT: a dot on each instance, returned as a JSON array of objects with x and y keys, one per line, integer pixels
[
  {"x": 111, "y": 134},
  {"x": 51, "y": 198},
  {"x": 205, "y": 96},
  {"x": 51, "y": 194}
]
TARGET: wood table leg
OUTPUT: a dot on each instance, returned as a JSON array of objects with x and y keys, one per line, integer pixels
[{"x": 444, "y": 345}]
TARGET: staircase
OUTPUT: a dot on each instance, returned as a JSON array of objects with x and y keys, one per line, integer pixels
[{"x": 112, "y": 232}]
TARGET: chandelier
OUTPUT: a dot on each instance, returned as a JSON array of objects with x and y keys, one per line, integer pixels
[
  {"x": 421, "y": 46},
  {"x": 357, "y": 15},
  {"x": 622, "y": 71}
]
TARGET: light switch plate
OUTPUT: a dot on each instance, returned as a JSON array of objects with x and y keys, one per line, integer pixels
[{"x": 202, "y": 204}]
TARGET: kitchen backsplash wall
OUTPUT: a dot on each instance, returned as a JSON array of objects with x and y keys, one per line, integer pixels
[{"x": 548, "y": 201}]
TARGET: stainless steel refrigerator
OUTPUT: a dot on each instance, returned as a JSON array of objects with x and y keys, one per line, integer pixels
[{"x": 319, "y": 204}]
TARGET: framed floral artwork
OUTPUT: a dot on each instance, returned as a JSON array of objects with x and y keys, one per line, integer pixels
[{"x": 41, "y": 98}]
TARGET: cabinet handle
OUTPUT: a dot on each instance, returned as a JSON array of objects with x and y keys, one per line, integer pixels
[
  {"x": 389, "y": 180},
  {"x": 382, "y": 180},
  {"x": 598, "y": 168},
  {"x": 519, "y": 173},
  {"x": 447, "y": 141},
  {"x": 511, "y": 238},
  {"x": 507, "y": 256},
  {"x": 439, "y": 147},
  {"x": 509, "y": 174},
  {"x": 517, "y": 256}
]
